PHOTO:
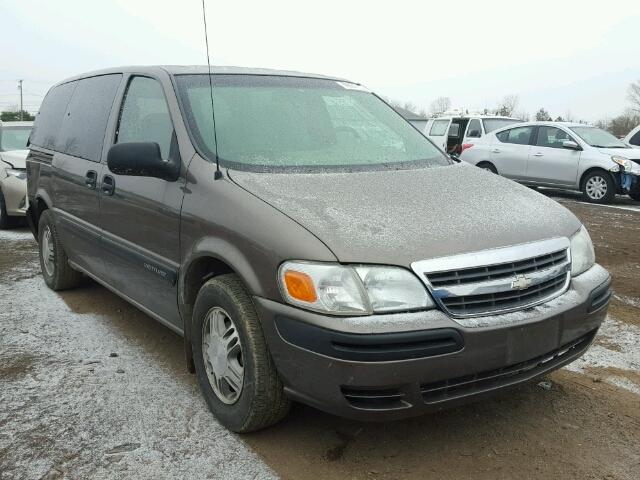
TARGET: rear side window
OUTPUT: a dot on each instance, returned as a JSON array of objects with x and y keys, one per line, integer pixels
[
  {"x": 439, "y": 127},
  {"x": 83, "y": 129},
  {"x": 635, "y": 140},
  {"x": 49, "y": 119},
  {"x": 454, "y": 130},
  {"x": 519, "y": 136},
  {"x": 475, "y": 129},
  {"x": 144, "y": 116}
]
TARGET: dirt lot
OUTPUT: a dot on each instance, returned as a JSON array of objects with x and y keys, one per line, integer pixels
[{"x": 92, "y": 388}]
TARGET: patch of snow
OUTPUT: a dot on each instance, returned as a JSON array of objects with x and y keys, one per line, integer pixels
[{"x": 627, "y": 338}]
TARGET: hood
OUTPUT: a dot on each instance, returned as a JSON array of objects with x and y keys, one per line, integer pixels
[
  {"x": 398, "y": 217},
  {"x": 15, "y": 158},
  {"x": 630, "y": 153}
]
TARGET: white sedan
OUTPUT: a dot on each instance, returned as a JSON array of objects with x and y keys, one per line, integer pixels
[{"x": 562, "y": 155}]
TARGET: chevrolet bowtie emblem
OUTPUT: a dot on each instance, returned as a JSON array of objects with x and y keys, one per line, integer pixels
[{"x": 520, "y": 282}]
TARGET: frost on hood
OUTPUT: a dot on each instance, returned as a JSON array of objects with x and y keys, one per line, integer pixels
[{"x": 401, "y": 216}]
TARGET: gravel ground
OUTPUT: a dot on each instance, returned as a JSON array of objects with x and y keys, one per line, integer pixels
[{"x": 92, "y": 388}]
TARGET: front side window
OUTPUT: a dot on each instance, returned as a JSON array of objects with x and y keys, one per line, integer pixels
[
  {"x": 274, "y": 123},
  {"x": 552, "y": 137},
  {"x": 518, "y": 136},
  {"x": 144, "y": 116},
  {"x": 491, "y": 124},
  {"x": 474, "y": 130},
  {"x": 596, "y": 137},
  {"x": 439, "y": 128},
  {"x": 14, "y": 138},
  {"x": 635, "y": 140}
]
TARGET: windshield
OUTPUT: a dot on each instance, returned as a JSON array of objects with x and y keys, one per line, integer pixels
[
  {"x": 14, "y": 138},
  {"x": 597, "y": 137},
  {"x": 491, "y": 124},
  {"x": 271, "y": 123}
]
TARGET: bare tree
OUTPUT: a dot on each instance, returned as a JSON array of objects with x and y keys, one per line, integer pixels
[
  {"x": 440, "y": 105},
  {"x": 507, "y": 106},
  {"x": 634, "y": 96},
  {"x": 623, "y": 124},
  {"x": 412, "y": 107},
  {"x": 568, "y": 117},
  {"x": 521, "y": 115}
]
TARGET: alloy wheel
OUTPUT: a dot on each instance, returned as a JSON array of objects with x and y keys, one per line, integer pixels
[
  {"x": 48, "y": 255},
  {"x": 222, "y": 354}
]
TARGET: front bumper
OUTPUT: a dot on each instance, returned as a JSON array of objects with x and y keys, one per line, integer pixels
[
  {"x": 396, "y": 366},
  {"x": 15, "y": 196}
]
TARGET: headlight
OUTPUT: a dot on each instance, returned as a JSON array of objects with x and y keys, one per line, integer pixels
[
  {"x": 582, "y": 255},
  {"x": 21, "y": 174},
  {"x": 623, "y": 162},
  {"x": 346, "y": 290}
]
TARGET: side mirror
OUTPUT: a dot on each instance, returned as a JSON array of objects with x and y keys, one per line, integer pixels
[
  {"x": 571, "y": 145},
  {"x": 474, "y": 134},
  {"x": 141, "y": 159}
]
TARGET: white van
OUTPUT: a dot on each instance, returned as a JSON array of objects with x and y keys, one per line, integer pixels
[{"x": 451, "y": 132}]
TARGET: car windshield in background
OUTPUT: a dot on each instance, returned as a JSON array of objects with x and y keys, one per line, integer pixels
[
  {"x": 278, "y": 123},
  {"x": 491, "y": 124},
  {"x": 14, "y": 138},
  {"x": 597, "y": 137}
]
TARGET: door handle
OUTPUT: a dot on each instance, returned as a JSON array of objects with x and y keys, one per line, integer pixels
[
  {"x": 495, "y": 150},
  {"x": 537, "y": 154},
  {"x": 108, "y": 185},
  {"x": 91, "y": 179}
]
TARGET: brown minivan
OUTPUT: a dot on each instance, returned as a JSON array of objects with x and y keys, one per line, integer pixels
[{"x": 307, "y": 242}]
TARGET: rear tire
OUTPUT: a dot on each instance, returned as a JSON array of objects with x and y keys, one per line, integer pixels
[
  {"x": 598, "y": 186},
  {"x": 488, "y": 166},
  {"x": 254, "y": 397},
  {"x": 57, "y": 273}
]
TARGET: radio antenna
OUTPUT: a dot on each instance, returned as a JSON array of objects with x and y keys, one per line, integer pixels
[{"x": 218, "y": 173}]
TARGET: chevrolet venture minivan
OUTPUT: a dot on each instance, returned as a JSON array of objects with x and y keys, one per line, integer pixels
[{"x": 336, "y": 257}]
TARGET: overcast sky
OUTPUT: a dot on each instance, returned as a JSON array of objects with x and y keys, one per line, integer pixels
[{"x": 566, "y": 56}]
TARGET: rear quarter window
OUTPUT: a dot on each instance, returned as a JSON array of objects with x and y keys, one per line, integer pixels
[
  {"x": 85, "y": 122},
  {"x": 49, "y": 119},
  {"x": 439, "y": 127}
]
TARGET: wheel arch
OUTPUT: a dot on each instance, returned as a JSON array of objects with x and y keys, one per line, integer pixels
[
  {"x": 596, "y": 169},
  {"x": 210, "y": 258}
]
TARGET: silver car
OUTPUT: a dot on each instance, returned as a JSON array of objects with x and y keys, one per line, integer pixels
[
  {"x": 13, "y": 176},
  {"x": 562, "y": 155}
]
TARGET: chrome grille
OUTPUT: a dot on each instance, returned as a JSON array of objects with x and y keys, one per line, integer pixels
[
  {"x": 500, "y": 280},
  {"x": 491, "y": 272}
]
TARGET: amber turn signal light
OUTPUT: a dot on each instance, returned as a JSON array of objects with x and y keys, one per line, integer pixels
[{"x": 300, "y": 286}]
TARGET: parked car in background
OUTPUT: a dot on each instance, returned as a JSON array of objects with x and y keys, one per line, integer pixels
[
  {"x": 633, "y": 139},
  {"x": 13, "y": 175},
  {"x": 337, "y": 257},
  {"x": 562, "y": 155},
  {"x": 14, "y": 135},
  {"x": 452, "y": 132}
]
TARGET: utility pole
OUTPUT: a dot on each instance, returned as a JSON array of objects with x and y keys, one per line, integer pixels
[{"x": 20, "y": 88}]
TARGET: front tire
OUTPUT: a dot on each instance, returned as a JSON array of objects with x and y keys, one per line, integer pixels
[
  {"x": 635, "y": 192},
  {"x": 57, "y": 273},
  {"x": 233, "y": 366},
  {"x": 5, "y": 220},
  {"x": 598, "y": 187}
]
